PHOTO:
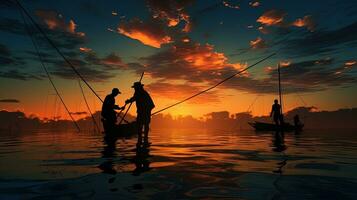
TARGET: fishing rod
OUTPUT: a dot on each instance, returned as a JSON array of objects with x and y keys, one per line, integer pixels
[{"x": 87, "y": 105}]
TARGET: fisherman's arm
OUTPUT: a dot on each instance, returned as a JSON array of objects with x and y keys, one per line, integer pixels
[
  {"x": 131, "y": 100},
  {"x": 116, "y": 107},
  {"x": 272, "y": 110}
]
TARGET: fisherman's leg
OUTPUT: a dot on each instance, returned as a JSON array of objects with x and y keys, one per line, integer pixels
[
  {"x": 276, "y": 120},
  {"x": 113, "y": 115},
  {"x": 140, "y": 133},
  {"x": 281, "y": 119},
  {"x": 146, "y": 133},
  {"x": 147, "y": 127}
]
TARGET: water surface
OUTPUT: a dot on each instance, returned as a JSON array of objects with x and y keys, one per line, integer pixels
[{"x": 180, "y": 164}]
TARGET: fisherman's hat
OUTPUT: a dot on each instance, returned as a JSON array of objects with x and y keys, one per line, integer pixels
[
  {"x": 137, "y": 85},
  {"x": 116, "y": 90}
]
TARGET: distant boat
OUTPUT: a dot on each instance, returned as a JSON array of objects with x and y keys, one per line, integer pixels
[{"x": 263, "y": 126}]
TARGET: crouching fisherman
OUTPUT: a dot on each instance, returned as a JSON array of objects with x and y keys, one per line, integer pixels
[
  {"x": 144, "y": 105},
  {"x": 109, "y": 114}
]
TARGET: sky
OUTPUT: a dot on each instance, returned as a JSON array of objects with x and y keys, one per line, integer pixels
[{"x": 183, "y": 46}]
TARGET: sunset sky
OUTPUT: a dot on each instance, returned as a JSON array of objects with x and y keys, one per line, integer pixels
[{"x": 183, "y": 46}]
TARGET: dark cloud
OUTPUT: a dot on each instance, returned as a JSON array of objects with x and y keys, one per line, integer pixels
[
  {"x": 9, "y": 101},
  {"x": 12, "y": 26},
  {"x": 209, "y": 8},
  {"x": 15, "y": 74},
  {"x": 321, "y": 41},
  {"x": 66, "y": 37},
  {"x": 8, "y": 59},
  {"x": 113, "y": 61},
  {"x": 318, "y": 74},
  {"x": 110, "y": 62},
  {"x": 63, "y": 34},
  {"x": 201, "y": 64},
  {"x": 90, "y": 73},
  {"x": 93, "y": 8},
  {"x": 8, "y": 4},
  {"x": 5, "y": 55},
  {"x": 4, "y": 51}
]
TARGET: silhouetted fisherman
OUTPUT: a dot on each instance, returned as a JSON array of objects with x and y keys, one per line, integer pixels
[
  {"x": 276, "y": 113},
  {"x": 297, "y": 121},
  {"x": 108, "y": 109},
  {"x": 144, "y": 105}
]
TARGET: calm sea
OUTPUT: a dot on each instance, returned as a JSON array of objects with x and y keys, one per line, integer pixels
[{"x": 180, "y": 164}]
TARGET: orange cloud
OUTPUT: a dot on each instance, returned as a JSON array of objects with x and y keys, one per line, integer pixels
[
  {"x": 85, "y": 49},
  {"x": 55, "y": 21},
  {"x": 179, "y": 91},
  {"x": 276, "y": 18},
  {"x": 172, "y": 12},
  {"x": 150, "y": 33},
  {"x": 185, "y": 40},
  {"x": 204, "y": 57},
  {"x": 285, "y": 63},
  {"x": 306, "y": 21},
  {"x": 258, "y": 43},
  {"x": 190, "y": 62},
  {"x": 350, "y": 63},
  {"x": 272, "y": 17}
]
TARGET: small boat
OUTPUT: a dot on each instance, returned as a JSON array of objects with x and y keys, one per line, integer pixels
[
  {"x": 120, "y": 130},
  {"x": 263, "y": 126}
]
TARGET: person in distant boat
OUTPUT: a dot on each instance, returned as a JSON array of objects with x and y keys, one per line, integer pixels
[
  {"x": 144, "y": 105},
  {"x": 109, "y": 107},
  {"x": 297, "y": 122},
  {"x": 276, "y": 113}
]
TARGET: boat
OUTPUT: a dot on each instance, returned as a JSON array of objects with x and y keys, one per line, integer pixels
[
  {"x": 287, "y": 127},
  {"x": 120, "y": 130},
  {"x": 263, "y": 126}
]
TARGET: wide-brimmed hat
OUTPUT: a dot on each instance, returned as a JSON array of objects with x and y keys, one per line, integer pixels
[
  {"x": 116, "y": 90},
  {"x": 137, "y": 85}
]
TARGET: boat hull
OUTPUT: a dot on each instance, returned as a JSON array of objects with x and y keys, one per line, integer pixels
[
  {"x": 262, "y": 126},
  {"x": 122, "y": 130}
]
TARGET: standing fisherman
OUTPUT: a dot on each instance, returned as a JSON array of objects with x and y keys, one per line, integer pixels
[
  {"x": 276, "y": 113},
  {"x": 108, "y": 109},
  {"x": 144, "y": 105}
]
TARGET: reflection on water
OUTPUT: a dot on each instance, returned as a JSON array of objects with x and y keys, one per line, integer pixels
[{"x": 181, "y": 164}]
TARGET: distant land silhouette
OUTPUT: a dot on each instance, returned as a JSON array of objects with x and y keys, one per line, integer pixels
[{"x": 339, "y": 119}]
